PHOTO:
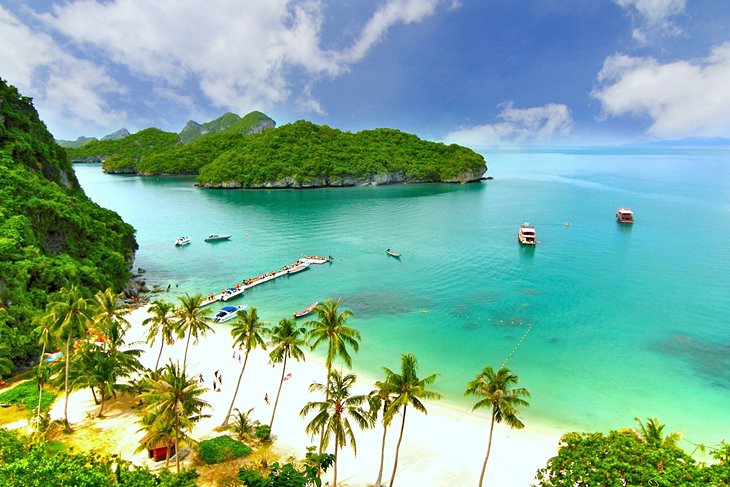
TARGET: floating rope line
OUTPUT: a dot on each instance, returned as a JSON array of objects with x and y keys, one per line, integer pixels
[{"x": 522, "y": 339}]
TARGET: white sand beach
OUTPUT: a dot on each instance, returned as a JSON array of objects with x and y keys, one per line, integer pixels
[{"x": 444, "y": 447}]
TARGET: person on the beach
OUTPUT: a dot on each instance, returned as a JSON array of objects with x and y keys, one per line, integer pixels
[
  {"x": 215, "y": 374},
  {"x": 266, "y": 398}
]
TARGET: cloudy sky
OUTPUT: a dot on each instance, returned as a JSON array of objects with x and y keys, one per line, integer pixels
[{"x": 480, "y": 73}]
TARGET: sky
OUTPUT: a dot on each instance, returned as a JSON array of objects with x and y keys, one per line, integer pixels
[{"x": 474, "y": 72}]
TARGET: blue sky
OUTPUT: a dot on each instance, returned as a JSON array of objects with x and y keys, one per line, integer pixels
[{"x": 480, "y": 73}]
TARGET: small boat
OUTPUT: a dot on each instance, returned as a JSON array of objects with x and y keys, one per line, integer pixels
[
  {"x": 526, "y": 234},
  {"x": 391, "y": 253},
  {"x": 316, "y": 259},
  {"x": 213, "y": 237},
  {"x": 232, "y": 292},
  {"x": 624, "y": 215},
  {"x": 306, "y": 310},
  {"x": 227, "y": 313},
  {"x": 298, "y": 267},
  {"x": 182, "y": 241}
]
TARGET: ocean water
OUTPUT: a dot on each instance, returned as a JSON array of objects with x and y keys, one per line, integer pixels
[{"x": 602, "y": 322}]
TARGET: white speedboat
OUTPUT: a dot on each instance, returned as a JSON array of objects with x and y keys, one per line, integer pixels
[
  {"x": 182, "y": 241},
  {"x": 228, "y": 313},
  {"x": 214, "y": 237},
  {"x": 232, "y": 292}
]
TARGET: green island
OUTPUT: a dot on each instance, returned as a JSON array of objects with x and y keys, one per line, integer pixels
[
  {"x": 63, "y": 261},
  {"x": 250, "y": 153}
]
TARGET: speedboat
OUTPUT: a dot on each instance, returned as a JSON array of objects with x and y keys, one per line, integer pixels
[
  {"x": 391, "y": 253},
  {"x": 232, "y": 292},
  {"x": 306, "y": 310},
  {"x": 213, "y": 237},
  {"x": 228, "y": 313},
  {"x": 300, "y": 266},
  {"x": 182, "y": 241},
  {"x": 624, "y": 215},
  {"x": 316, "y": 259},
  {"x": 526, "y": 234}
]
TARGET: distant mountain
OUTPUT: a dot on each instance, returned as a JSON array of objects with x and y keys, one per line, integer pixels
[
  {"x": 75, "y": 143},
  {"x": 254, "y": 122},
  {"x": 119, "y": 134}
]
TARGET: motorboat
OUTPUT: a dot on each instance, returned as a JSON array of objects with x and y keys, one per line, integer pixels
[
  {"x": 182, "y": 241},
  {"x": 232, "y": 292},
  {"x": 392, "y": 254},
  {"x": 214, "y": 237},
  {"x": 624, "y": 215},
  {"x": 316, "y": 259},
  {"x": 526, "y": 234},
  {"x": 227, "y": 313},
  {"x": 306, "y": 310},
  {"x": 300, "y": 266}
]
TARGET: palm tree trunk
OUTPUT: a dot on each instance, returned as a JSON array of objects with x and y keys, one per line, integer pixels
[
  {"x": 334, "y": 479},
  {"x": 235, "y": 393},
  {"x": 93, "y": 394},
  {"x": 276, "y": 401},
  {"x": 327, "y": 396},
  {"x": 382, "y": 457},
  {"x": 66, "y": 426},
  {"x": 185, "y": 357},
  {"x": 40, "y": 386},
  {"x": 101, "y": 408},
  {"x": 157, "y": 364},
  {"x": 397, "y": 448},
  {"x": 489, "y": 447},
  {"x": 177, "y": 444}
]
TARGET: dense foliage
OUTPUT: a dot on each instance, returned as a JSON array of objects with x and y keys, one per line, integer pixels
[
  {"x": 229, "y": 122},
  {"x": 222, "y": 448},
  {"x": 51, "y": 234},
  {"x": 288, "y": 474},
  {"x": 22, "y": 464},
  {"x": 296, "y": 154},
  {"x": 26, "y": 395},
  {"x": 622, "y": 458}
]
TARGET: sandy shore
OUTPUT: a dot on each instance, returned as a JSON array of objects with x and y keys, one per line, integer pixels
[{"x": 444, "y": 447}]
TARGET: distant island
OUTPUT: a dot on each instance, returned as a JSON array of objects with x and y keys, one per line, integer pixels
[{"x": 249, "y": 152}]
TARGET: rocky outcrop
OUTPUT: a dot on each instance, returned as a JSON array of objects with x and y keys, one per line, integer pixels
[
  {"x": 119, "y": 134},
  {"x": 341, "y": 181}
]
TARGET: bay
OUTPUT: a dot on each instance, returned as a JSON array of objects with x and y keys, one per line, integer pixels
[{"x": 601, "y": 321}]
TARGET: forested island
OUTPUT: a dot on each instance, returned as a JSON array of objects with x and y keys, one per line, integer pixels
[
  {"x": 51, "y": 234},
  {"x": 296, "y": 155}
]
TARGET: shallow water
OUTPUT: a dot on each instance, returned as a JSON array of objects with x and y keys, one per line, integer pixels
[{"x": 623, "y": 320}]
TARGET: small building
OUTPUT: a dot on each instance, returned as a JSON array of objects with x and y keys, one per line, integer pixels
[{"x": 158, "y": 450}]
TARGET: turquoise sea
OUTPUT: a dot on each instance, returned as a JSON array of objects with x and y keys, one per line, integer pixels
[{"x": 623, "y": 321}]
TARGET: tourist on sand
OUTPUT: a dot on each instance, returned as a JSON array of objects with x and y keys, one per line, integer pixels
[
  {"x": 215, "y": 374},
  {"x": 266, "y": 398},
  {"x": 201, "y": 378},
  {"x": 220, "y": 379}
]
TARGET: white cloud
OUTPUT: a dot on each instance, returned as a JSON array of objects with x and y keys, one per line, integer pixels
[
  {"x": 653, "y": 17},
  {"x": 63, "y": 87},
  {"x": 681, "y": 98},
  {"x": 518, "y": 125},
  {"x": 240, "y": 56}
]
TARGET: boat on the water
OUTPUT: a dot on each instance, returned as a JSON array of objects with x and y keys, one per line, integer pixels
[
  {"x": 391, "y": 253},
  {"x": 306, "y": 310},
  {"x": 316, "y": 259},
  {"x": 213, "y": 237},
  {"x": 300, "y": 266},
  {"x": 232, "y": 292},
  {"x": 625, "y": 215},
  {"x": 227, "y": 313},
  {"x": 182, "y": 241},
  {"x": 526, "y": 234}
]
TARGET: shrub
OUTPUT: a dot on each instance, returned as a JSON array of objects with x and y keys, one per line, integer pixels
[
  {"x": 262, "y": 432},
  {"x": 222, "y": 448},
  {"x": 26, "y": 394}
]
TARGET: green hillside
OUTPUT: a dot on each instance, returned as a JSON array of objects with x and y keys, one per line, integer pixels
[{"x": 51, "y": 234}]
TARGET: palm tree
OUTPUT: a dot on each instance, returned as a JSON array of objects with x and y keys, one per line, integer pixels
[
  {"x": 109, "y": 309},
  {"x": 498, "y": 394},
  {"x": 174, "y": 405},
  {"x": 242, "y": 424},
  {"x": 407, "y": 389},
  {"x": 191, "y": 320},
  {"x": 160, "y": 323},
  {"x": 71, "y": 315},
  {"x": 44, "y": 339},
  {"x": 380, "y": 398},
  {"x": 247, "y": 333},
  {"x": 287, "y": 340},
  {"x": 334, "y": 413},
  {"x": 331, "y": 327},
  {"x": 652, "y": 433}
]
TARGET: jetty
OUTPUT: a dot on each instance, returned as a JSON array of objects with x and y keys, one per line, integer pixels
[{"x": 239, "y": 288}]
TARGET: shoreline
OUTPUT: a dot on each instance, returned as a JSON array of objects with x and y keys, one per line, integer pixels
[{"x": 445, "y": 446}]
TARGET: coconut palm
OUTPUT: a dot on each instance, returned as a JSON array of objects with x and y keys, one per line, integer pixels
[
  {"x": 407, "y": 389},
  {"x": 380, "y": 399},
  {"x": 161, "y": 322},
  {"x": 652, "y": 433},
  {"x": 247, "y": 333},
  {"x": 498, "y": 394},
  {"x": 109, "y": 309},
  {"x": 173, "y": 405},
  {"x": 71, "y": 315},
  {"x": 331, "y": 327},
  {"x": 191, "y": 319},
  {"x": 334, "y": 413},
  {"x": 287, "y": 340},
  {"x": 242, "y": 424},
  {"x": 44, "y": 339}
]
